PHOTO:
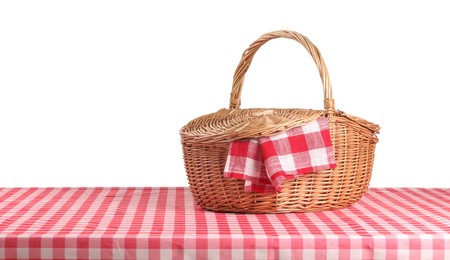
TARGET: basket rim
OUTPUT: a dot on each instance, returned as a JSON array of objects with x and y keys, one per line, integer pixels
[{"x": 226, "y": 125}]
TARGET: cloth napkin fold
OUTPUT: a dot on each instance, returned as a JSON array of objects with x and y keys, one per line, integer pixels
[{"x": 267, "y": 161}]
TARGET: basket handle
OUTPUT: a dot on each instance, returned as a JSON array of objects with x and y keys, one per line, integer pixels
[{"x": 247, "y": 57}]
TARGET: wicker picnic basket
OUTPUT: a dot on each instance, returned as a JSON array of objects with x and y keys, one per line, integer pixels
[{"x": 205, "y": 141}]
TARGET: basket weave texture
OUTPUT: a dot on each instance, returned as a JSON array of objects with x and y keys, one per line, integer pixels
[{"x": 205, "y": 141}]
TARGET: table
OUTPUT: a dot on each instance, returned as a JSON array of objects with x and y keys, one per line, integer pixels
[{"x": 164, "y": 223}]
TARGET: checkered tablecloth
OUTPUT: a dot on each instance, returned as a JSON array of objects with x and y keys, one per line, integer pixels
[{"x": 164, "y": 223}]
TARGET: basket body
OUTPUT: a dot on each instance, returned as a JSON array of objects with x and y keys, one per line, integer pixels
[
  {"x": 354, "y": 146},
  {"x": 205, "y": 141}
]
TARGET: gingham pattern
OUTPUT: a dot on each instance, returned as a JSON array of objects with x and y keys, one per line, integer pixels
[
  {"x": 164, "y": 223},
  {"x": 267, "y": 161}
]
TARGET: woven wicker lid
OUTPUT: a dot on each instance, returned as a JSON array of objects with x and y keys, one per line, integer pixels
[{"x": 231, "y": 124}]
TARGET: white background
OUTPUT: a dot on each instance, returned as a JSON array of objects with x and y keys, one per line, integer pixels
[{"x": 93, "y": 93}]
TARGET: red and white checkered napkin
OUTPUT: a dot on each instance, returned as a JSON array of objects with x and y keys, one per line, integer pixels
[{"x": 265, "y": 162}]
